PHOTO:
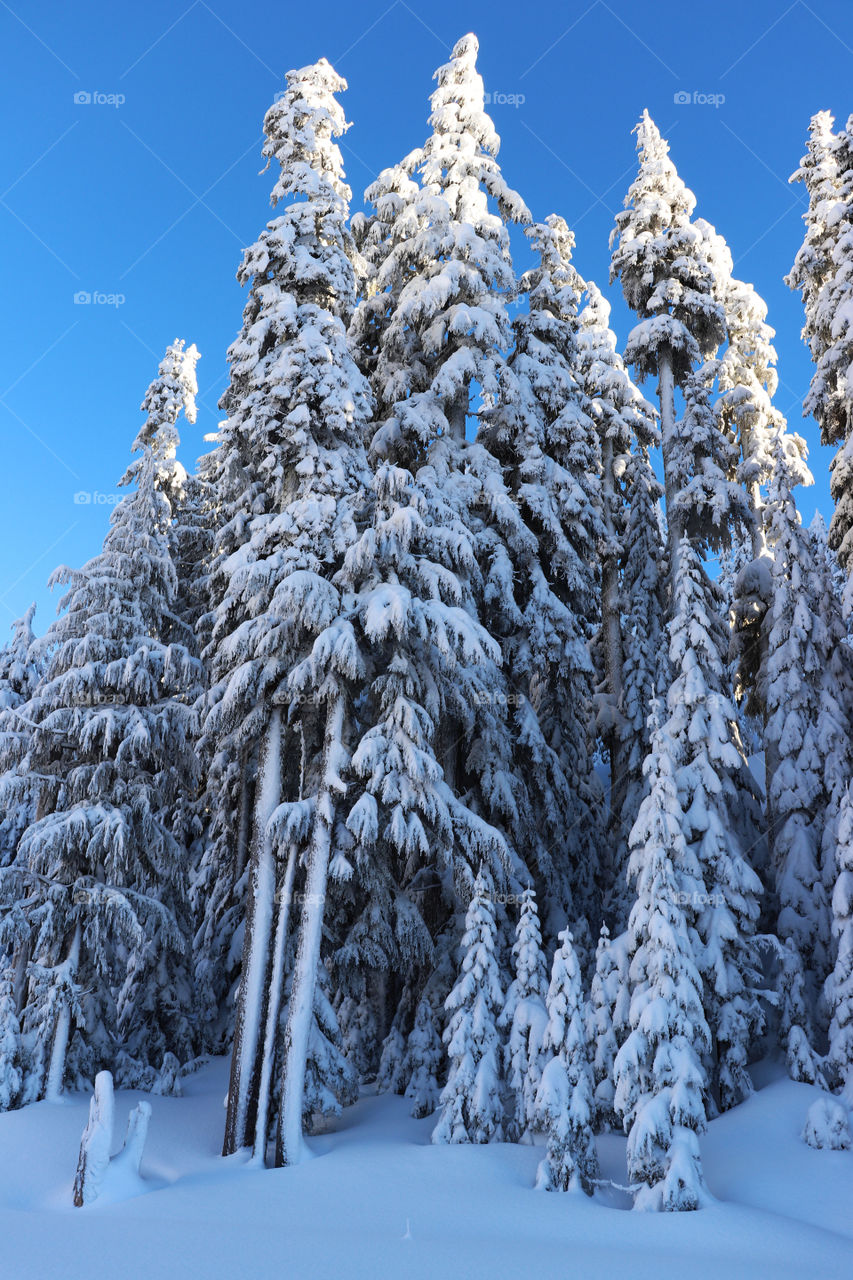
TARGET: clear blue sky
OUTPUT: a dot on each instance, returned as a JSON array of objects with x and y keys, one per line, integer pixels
[{"x": 154, "y": 198}]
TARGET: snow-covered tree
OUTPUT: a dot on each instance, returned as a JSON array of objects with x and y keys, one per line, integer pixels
[
  {"x": 632, "y": 573},
  {"x": 100, "y": 876},
  {"x": 524, "y": 1019},
  {"x": 541, "y": 596},
  {"x": 11, "y": 1074},
  {"x": 439, "y": 794},
  {"x": 660, "y": 1079},
  {"x": 565, "y": 1105},
  {"x": 665, "y": 263},
  {"x": 813, "y": 265},
  {"x": 283, "y": 652},
  {"x": 471, "y": 1102},
  {"x": 823, "y": 272},
  {"x": 796, "y": 655},
  {"x": 839, "y": 985},
  {"x": 609, "y": 984},
  {"x": 18, "y": 678}
]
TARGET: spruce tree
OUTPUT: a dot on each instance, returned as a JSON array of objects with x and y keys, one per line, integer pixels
[
  {"x": 823, "y": 273},
  {"x": 524, "y": 1019},
  {"x": 839, "y": 985},
  {"x": 660, "y": 1079},
  {"x": 283, "y": 652},
  {"x": 100, "y": 874},
  {"x": 565, "y": 1105},
  {"x": 665, "y": 263},
  {"x": 471, "y": 1101}
]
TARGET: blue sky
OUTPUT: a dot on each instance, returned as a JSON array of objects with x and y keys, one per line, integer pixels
[{"x": 145, "y": 193}]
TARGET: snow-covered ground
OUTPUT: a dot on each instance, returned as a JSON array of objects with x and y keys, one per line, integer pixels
[{"x": 380, "y": 1201}]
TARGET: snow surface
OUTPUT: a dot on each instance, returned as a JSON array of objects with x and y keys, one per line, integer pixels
[{"x": 381, "y": 1201}]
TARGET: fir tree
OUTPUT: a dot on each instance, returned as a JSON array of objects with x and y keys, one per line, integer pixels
[
  {"x": 471, "y": 1102},
  {"x": 565, "y": 1104},
  {"x": 524, "y": 1019},
  {"x": 283, "y": 652},
  {"x": 665, "y": 263},
  {"x": 101, "y": 873},
  {"x": 839, "y": 986},
  {"x": 660, "y": 1080}
]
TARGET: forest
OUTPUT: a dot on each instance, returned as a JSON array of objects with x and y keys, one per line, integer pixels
[{"x": 474, "y": 722}]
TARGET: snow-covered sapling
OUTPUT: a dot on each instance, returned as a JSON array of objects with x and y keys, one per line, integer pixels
[{"x": 564, "y": 1101}]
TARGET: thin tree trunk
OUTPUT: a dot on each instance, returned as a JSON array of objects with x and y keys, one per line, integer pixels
[
  {"x": 62, "y": 1030},
  {"x": 19, "y": 976},
  {"x": 242, "y": 1090},
  {"x": 611, "y": 620},
  {"x": 290, "y": 1143},
  {"x": 285, "y": 895},
  {"x": 457, "y": 415},
  {"x": 245, "y": 822}
]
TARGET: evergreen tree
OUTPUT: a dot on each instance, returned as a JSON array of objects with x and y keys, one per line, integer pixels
[
  {"x": 565, "y": 1105},
  {"x": 11, "y": 1075},
  {"x": 797, "y": 652},
  {"x": 541, "y": 582},
  {"x": 471, "y": 1101},
  {"x": 660, "y": 1079},
  {"x": 100, "y": 875},
  {"x": 438, "y": 794},
  {"x": 632, "y": 577},
  {"x": 665, "y": 265},
  {"x": 284, "y": 653},
  {"x": 524, "y": 1019},
  {"x": 823, "y": 273},
  {"x": 18, "y": 678},
  {"x": 839, "y": 985},
  {"x": 604, "y": 993}
]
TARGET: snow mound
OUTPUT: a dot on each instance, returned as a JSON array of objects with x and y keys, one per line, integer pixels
[{"x": 827, "y": 1126}]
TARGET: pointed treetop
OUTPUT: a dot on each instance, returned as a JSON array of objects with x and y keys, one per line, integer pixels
[
  {"x": 173, "y": 391},
  {"x": 300, "y": 129},
  {"x": 458, "y": 103}
]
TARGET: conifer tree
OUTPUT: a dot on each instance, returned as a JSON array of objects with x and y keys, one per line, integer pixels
[
  {"x": 438, "y": 791},
  {"x": 660, "y": 1079},
  {"x": 283, "y": 651},
  {"x": 797, "y": 654},
  {"x": 665, "y": 264},
  {"x": 524, "y": 1019},
  {"x": 565, "y": 1105},
  {"x": 839, "y": 986},
  {"x": 823, "y": 272},
  {"x": 471, "y": 1101},
  {"x": 101, "y": 873},
  {"x": 541, "y": 587},
  {"x": 18, "y": 678},
  {"x": 11, "y": 1075},
  {"x": 604, "y": 993}
]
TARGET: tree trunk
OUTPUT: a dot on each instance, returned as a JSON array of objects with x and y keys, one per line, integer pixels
[
  {"x": 290, "y": 1143},
  {"x": 457, "y": 415},
  {"x": 245, "y": 822},
  {"x": 62, "y": 1029},
  {"x": 285, "y": 895},
  {"x": 611, "y": 623},
  {"x": 242, "y": 1090},
  {"x": 20, "y": 963}
]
